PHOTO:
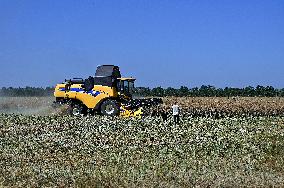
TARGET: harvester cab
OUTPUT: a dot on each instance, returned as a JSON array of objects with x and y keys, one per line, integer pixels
[
  {"x": 106, "y": 93},
  {"x": 125, "y": 87}
]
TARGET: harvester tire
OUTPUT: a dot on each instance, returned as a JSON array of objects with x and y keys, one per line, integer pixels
[
  {"x": 109, "y": 108},
  {"x": 77, "y": 110}
]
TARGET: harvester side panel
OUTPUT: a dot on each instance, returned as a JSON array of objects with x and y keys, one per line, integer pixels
[{"x": 90, "y": 99}]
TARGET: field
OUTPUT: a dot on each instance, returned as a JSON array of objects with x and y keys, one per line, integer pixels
[{"x": 220, "y": 142}]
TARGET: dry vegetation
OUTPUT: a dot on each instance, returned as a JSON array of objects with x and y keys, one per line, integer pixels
[
  {"x": 229, "y": 107},
  {"x": 98, "y": 151}
]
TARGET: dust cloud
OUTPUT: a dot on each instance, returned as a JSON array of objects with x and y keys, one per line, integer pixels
[{"x": 42, "y": 106}]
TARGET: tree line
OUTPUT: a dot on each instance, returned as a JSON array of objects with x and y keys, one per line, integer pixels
[
  {"x": 203, "y": 91},
  {"x": 211, "y": 91}
]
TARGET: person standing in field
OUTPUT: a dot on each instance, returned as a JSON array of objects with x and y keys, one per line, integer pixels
[{"x": 176, "y": 111}]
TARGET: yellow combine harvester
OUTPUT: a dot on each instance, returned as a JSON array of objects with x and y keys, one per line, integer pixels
[{"x": 106, "y": 93}]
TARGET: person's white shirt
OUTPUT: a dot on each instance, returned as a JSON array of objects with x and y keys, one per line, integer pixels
[{"x": 175, "y": 108}]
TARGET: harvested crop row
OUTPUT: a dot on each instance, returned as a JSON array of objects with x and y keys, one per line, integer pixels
[{"x": 102, "y": 151}]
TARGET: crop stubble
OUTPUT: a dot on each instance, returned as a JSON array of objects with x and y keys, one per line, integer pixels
[{"x": 103, "y": 151}]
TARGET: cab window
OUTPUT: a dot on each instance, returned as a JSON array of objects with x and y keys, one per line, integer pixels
[{"x": 125, "y": 86}]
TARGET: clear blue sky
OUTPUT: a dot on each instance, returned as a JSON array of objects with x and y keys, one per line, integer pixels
[{"x": 232, "y": 43}]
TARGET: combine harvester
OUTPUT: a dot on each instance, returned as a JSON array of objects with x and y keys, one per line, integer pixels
[{"x": 106, "y": 93}]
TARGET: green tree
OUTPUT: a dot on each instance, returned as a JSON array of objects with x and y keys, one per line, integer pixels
[
  {"x": 170, "y": 91},
  {"x": 183, "y": 91},
  {"x": 158, "y": 92}
]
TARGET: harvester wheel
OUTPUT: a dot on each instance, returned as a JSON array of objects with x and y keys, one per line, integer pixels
[
  {"x": 77, "y": 110},
  {"x": 109, "y": 108}
]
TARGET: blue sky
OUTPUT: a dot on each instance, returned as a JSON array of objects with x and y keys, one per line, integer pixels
[{"x": 165, "y": 43}]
